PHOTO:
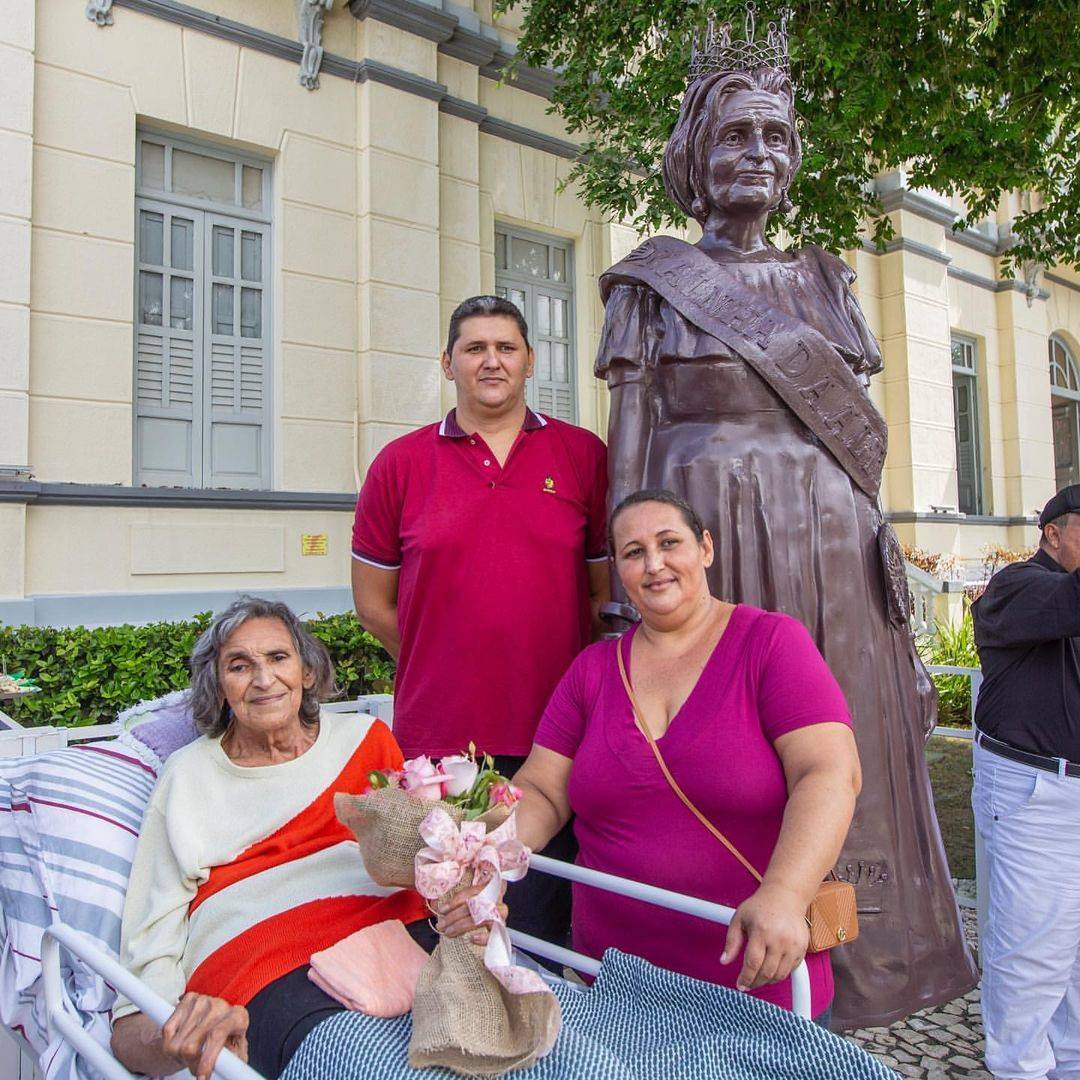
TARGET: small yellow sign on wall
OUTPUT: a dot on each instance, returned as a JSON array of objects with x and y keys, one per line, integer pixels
[{"x": 314, "y": 544}]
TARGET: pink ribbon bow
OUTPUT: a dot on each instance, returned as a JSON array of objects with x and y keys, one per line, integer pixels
[{"x": 453, "y": 849}]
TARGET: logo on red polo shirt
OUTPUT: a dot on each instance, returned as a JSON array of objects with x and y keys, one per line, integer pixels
[{"x": 549, "y": 485}]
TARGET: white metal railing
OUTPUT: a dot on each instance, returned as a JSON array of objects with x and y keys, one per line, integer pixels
[
  {"x": 929, "y": 598},
  {"x": 64, "y": 1022},
  {"x": 650, "y": 894}
]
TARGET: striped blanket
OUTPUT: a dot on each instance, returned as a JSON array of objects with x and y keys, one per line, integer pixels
[
  {"x": 69, "y": 820},
  {"x": 636, "y": 1022}
]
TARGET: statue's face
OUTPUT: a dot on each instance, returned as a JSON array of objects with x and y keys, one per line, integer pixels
[{"x": 750, "y": 163}]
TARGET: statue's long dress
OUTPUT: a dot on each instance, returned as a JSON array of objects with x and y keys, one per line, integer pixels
[{"x": 793, "y": 533}]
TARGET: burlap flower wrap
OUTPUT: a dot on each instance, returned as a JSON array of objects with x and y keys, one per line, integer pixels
[{"x": 474, "y": 1012}]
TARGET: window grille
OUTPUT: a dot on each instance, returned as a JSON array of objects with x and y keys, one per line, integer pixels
[
  {"x": 202, "y": 303},
  {"x": 1065, "y": 412},
  {"x": 534, "y": 272},
  {"x": 966, "y": 423}
]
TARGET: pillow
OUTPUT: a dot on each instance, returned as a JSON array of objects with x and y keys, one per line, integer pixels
[
  {"x": 163, "y": 725},
  {"x": 69, "y": 820}
]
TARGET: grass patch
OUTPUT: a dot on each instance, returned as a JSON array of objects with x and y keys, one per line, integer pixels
[{"x": 950, "y": 776}]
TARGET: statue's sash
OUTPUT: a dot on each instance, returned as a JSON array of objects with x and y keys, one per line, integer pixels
[{"x": 791, "y": 356}]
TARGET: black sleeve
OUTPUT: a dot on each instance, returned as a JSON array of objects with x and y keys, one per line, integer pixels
[{"x": 1026, "y": 604}]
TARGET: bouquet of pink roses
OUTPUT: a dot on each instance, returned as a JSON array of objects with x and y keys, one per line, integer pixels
[
  {"x": 386, "y": 820},
  {"x": 431, "y": 826}
]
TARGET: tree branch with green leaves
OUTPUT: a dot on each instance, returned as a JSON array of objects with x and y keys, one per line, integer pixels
[{"x": 976, "y": 99}]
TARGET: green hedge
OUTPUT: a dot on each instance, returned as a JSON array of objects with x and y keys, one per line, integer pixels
[{"x": 88, "y": 676}]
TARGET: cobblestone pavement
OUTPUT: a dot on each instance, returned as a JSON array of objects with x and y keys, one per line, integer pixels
[{"x": 935, "y": 1044}]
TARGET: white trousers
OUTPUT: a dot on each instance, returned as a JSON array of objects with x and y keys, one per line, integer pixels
[{"x": 1029, "y": 823}]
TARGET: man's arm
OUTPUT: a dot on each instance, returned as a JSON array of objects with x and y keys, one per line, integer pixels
[
  {"x": 599, "y": 594},
  {"x": 1027, "y": 605},
  {"x": 375, "y": 592}
]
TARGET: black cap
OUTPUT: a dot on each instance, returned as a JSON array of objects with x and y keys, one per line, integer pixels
[{"x": 1066, "y": 501}]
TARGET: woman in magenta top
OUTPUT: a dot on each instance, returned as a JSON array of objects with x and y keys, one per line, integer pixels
[{"x": 755, "y": 730}]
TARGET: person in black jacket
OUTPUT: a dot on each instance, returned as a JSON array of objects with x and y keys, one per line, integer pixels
[{"x": 1026, "y": 800}]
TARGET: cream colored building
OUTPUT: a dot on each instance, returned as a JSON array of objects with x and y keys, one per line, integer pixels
[{"x": 230, "y": 238}]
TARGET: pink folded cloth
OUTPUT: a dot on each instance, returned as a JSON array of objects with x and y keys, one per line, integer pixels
[{"x": 373, "y": 971}]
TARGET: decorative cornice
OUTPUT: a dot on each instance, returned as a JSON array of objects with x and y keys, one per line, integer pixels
[
  {"x": 459, "y": 41},
  {"x": 521, "y": 77},
  {"x": 914, "y": 247},
  {"x": 971, "y": 278},
  {"x": 1065, "y": 283},
  {"x": 921, "y": 205},
  {"x": 374, "y": 71},
  {"x": 978, "y": 240},
  {"x": 1004, "y": 285},
  {"x": 43, "y": 494},
  {"x": 471, "y": 47},
  {"x": 467, "y": 110},
  {"x": 418, "y": 19},
  {"x": 218, "y": 26},
  {"x": 503, "y": 129},
  {"x": 367, "y": 70}
]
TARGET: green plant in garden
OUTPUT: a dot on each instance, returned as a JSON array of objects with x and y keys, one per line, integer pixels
[
  {"x": 976, "y": 98},
  {"x": 952, "y": 645},
  {"x": 87, "y": 676}
]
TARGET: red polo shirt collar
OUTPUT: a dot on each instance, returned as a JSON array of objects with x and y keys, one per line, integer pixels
[{"x": 451, "y": 429}]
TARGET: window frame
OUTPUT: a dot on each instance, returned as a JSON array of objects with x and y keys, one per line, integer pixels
[
  {"x": 562, "y": 290},
  {"x": 206, "y": 213},
  {"x": 1064, "y": 395},
  {"x": 970, "y": 373}
]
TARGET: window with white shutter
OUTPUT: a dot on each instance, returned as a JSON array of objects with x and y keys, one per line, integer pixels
[
  {"x": 202, "y": 357},
  {"x": 534, "y": 272},
  {"x": 966, "y": 422}
]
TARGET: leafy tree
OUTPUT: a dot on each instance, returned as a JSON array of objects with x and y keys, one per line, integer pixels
[{"x": 973, "y": 97}]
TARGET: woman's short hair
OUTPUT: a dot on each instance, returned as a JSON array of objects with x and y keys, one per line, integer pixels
[
  {"x": 686, "y": 156},
  {"x": 691, "y": 518},
  {"x": 484, "y": 305},
  {"x": 210, "y": 710}
]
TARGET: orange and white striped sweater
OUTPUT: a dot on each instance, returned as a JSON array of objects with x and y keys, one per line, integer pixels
[{"x": 242, "y": 873}]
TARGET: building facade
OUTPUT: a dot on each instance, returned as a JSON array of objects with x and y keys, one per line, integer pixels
[{"x": 231, "y": 236}]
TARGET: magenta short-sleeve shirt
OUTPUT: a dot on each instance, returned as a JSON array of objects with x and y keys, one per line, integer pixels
[{"x": 764, "y": 679}]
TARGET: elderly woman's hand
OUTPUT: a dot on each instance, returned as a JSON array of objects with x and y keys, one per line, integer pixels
[
  {"x": 453, "y": 917},
  {"x": 200, "y": 1028},
  {"x": 772, "y": 925}
]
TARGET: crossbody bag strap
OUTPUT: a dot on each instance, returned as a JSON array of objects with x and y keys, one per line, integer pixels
[{"x": 644, "y": 729}]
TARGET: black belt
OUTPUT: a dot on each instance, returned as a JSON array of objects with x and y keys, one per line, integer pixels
[{"x": 1059, "y": 766}]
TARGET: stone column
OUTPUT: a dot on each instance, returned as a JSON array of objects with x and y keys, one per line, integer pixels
[
  {"x": 916, "y": 385},
  {"x": 1025, "y": 393},
  {"x": 399, "y": 216},
  {"x": 16, "y": 171},
  {"x": 466, "y": 218}
]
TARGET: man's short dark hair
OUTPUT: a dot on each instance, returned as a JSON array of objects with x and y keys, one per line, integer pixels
[{"x": 484, "y": 305}]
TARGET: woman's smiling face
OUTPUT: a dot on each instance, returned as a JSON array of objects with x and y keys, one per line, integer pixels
[
  {"x": 262, "y": 676},
  {"x": 660, "y": 561}
]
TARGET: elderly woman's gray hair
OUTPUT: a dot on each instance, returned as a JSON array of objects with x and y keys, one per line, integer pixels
[{"x": 209, "y": 707}]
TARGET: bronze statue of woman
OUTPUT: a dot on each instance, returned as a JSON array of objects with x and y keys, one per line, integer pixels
[{"x": 738, "y": 377}]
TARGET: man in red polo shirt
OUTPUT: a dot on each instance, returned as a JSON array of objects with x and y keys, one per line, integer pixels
[{"x": 480, "y": 562}]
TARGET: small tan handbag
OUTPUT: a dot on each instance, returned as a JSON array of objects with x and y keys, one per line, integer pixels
[{"x": 831, "y": 916}]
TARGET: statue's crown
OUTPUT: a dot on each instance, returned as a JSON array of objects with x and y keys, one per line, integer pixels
[{"x": 720, "y": 52}]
